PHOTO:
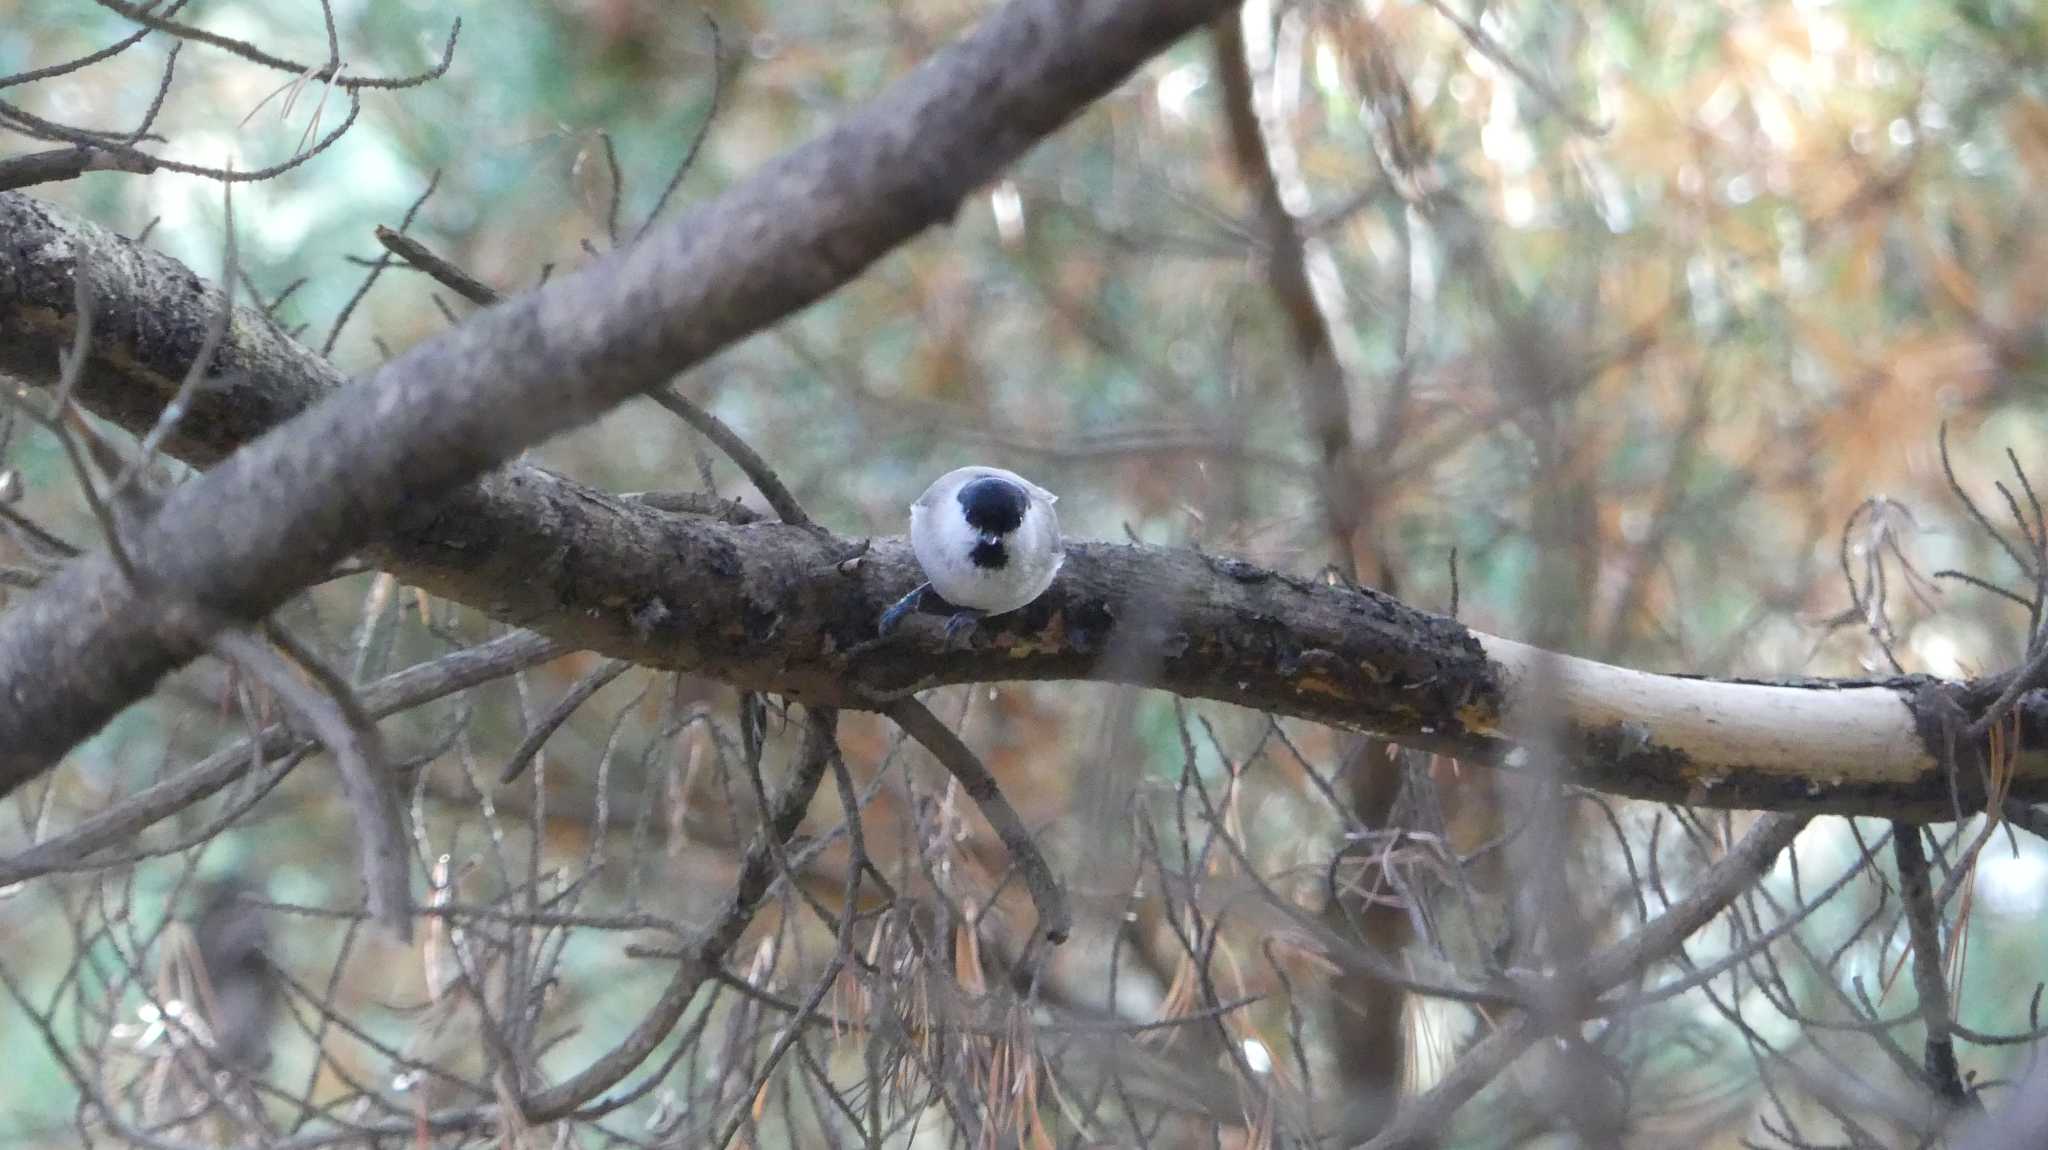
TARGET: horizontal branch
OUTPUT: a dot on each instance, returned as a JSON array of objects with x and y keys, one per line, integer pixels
[
  {"x": 769, "y": 608},
  {"x": 773, "y": 608},
  {"x": 59, "y": 164}
]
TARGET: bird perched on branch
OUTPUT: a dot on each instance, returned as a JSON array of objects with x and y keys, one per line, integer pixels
[{"x": 988, "y": 541}]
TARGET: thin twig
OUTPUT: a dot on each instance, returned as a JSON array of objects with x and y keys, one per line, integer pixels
[
  {"x": 1494, "y": 51},
  {"x": 757, "y": 470},
  {"x": 757, "y": 872},
  {"x": 2022, "y": 680},
  {"x": 1923, "y": 925},
  {"x": 398, "y": 691},
  {"x": 58, "y": 164},
  {"x": 706, "y": 424},
  {"x": 202, "y": 364},
  {"x": 341, "y": 723},
  {"x": 141, "y": 14},
  {"x": 1055, "y": 921},
  {"x": 572, "y": 699},
  {"x": 447, "y": 274},
  {"x": 377, "y": 269},
  {"x": 689, "y": 159}
]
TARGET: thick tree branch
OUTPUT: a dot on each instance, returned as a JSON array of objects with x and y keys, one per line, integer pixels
[
  {"x": 247, "y": 534},
  {"x": 767, "y": 607}
]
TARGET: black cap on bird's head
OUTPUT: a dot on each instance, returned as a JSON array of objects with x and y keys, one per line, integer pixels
[{"x": 993, "y": 505}]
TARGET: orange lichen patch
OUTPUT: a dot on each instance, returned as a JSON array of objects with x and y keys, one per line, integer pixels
[
  {"x": 1050, "y": 640},
  {"x": 1318, "y": 685},
  {"x": 1479, "y": 718}
]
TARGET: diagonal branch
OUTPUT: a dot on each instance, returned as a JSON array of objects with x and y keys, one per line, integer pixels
[
  {"x": 244, "y": 536},
  {"x": 1923, "y": 928},
  {"x": 707, "y": 953},
  {"x": 572, "y": 701},
  {"x": 960, "y": 761},
  {"x": 340, "y": 721}
]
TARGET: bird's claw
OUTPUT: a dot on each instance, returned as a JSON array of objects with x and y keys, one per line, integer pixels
[
  {"x": 904, "y": 606},
  {"x": 963, "y": 621},
  {"x": 924, "y": 598}
]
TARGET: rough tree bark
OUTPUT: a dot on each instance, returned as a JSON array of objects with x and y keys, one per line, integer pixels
[
  {"x": 302, "y": 476},
  {"x": 769, "y": 607},
  {"x": 239, "y": 540}
]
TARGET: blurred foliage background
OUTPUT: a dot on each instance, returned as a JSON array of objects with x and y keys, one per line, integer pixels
[{"x": 1764, "y": 251}]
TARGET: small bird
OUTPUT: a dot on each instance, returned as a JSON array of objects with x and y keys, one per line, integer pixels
[{"x": 989, "y": 542}]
